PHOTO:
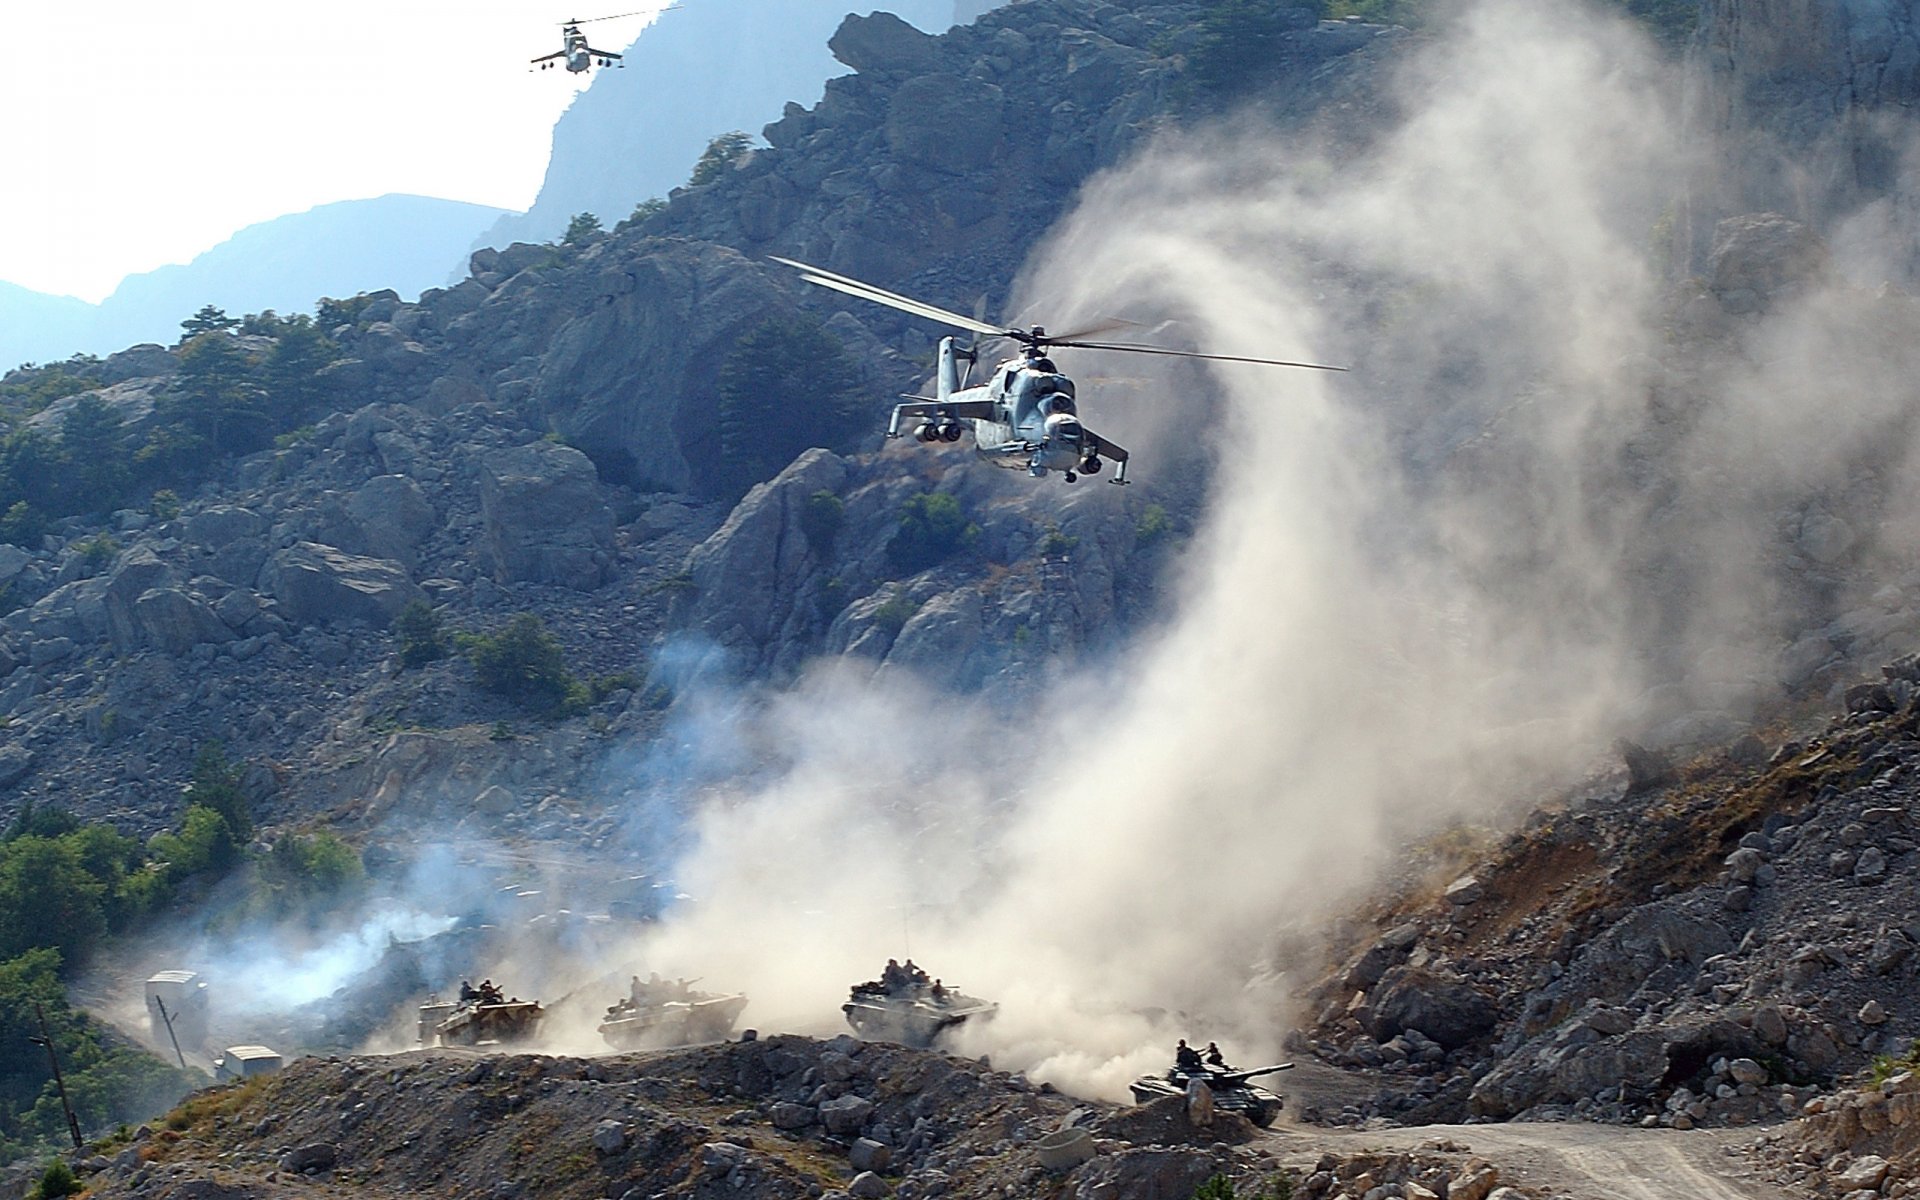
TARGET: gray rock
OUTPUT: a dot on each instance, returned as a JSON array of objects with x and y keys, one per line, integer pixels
[
  {"x": 1442, "y": 1007},
  {"x": 1761, "y": 257},
  {"x": 543, "y": 516},
  {"x": 1743, "y": 863},
  {"x": 1465, "y": 890},
  {"x": 751, "y": 577},
  {"x": 788, "y": 1115},
  {"x": 173, "y": 622},
  {"x": 217, "y": 525},
  {"x": 317, "y": 584},
  {"x": 720, "y": 1159},
  {"x": 884, "y": 43},
  {"x": 15, "y": 762},
  {"x": 609, "y": 1137},
  {"x": 945, "y": 124},
  {"x": 867, "y": 1186},
  {"x": 1865, "y": 1173},
  {"x": 866, "y": 1154},
  {"x": 318, "y": 1156},
  {"x": 1746, "y": 1070},
  {"x": 848, "y": 1114}
]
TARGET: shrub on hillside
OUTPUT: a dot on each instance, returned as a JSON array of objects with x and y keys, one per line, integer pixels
[{"x": 932, "y": 527}]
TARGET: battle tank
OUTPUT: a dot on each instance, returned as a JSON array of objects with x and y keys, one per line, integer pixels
[
  {"x": 1231, "y": 1091},
  {"x": 904, "y": 1006},
  {"x": 482, "y": 1016},
  {"x": 658, "y": 1014}
]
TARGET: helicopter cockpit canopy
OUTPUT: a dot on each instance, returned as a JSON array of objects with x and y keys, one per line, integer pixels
[{"x": 1040, "y": 393}]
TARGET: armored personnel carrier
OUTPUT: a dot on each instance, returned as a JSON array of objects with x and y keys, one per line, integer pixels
[
  {"x": 657, "y": 1014},
  {"x": 907, "y": 1007},
  {"x": 1231, "y": 1090},
  {"x": 480, "y": 1015}
]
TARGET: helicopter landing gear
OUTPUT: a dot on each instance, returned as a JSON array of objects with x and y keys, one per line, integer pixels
[
  {"x": 1090, "y": 465},
  {"x": 1071, "y": 477},
  {"x": 950, "y": 431},
  {"x": 925, "y": 432}
]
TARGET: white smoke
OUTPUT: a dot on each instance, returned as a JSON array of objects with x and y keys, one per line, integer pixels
[
  {"x": 1420, "y": 591},
  {"x": 1416, "y": 591}
]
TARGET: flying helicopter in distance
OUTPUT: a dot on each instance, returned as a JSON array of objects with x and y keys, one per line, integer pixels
[
  {"x": 575, "y": 54},
  {"x": 1025, "y": 415}
]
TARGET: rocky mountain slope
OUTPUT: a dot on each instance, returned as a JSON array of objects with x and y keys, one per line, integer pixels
[{"x": 1713, "y": 934}]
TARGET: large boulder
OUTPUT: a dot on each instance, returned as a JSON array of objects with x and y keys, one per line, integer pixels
[
  {"x": 386, "y": 517},
  {"x": 1444, "y": 1007},
  {"x": 174, "y": 622},
  {"x": 543, "y": 516},
  {"x": 1760, "y": 258},
  {"x": 945, "y": 123},
  {"x": 218, "y": 525},
  {"x": 750, "y": 577},
  {"x": 318, "y": 584},
  {"x": 883, "y": 43}
]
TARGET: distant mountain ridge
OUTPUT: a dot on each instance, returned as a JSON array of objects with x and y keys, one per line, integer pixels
[
  {"x": 407, "y": 243},
  {"x": 700, "y": 71}
]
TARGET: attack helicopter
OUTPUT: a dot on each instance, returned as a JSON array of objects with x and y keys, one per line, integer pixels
[
  {"x": 575, "y": 54},
  {"x": 1025, "y": 415}
]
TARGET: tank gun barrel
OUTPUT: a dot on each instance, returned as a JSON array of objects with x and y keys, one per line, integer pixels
[{"x": 1243, "y": 1076}]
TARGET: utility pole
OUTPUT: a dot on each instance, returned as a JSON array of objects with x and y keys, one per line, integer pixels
[
  {"x": 46, "y": 1039},
  {"x": 167, "y": 1017}
]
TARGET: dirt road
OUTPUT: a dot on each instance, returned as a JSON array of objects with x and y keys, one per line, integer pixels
[{"x": 1585, "y": 1162}]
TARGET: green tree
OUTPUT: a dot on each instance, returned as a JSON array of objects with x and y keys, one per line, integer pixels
[
  {"x": 786, "y": 386},
  {"x": 208, "y": 320},
  {"x": 584, "y": 228},
  {"x": 97, "y": 462},
  {"x": 651, "y": 207},
  {"x": 204, "y": 845},
  {"x": 932, "y": 527},
  {"x": 720, "y": 153},
  {"x": 1239, "y": 42},
  {"x": 48, "y": 898},
  {"x": 301, "y": 350},
  {"x": 422, "y": 637},
  {"x": 821, "y": 519},
  {"x": 524, "y": 663},
  {"x": 214, "y": 405},
  {"x": 215, "y": 784}
]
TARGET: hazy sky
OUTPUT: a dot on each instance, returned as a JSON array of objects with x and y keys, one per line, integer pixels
[{"x": 141, "y": 132}]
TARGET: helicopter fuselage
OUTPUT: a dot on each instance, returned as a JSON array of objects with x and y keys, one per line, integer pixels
[{"x": 1023, "y": 418}]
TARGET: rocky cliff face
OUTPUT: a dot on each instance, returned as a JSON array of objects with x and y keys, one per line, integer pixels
[{"x": 1800, "y": 103}]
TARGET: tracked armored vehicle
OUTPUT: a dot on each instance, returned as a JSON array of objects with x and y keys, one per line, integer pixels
[
  {"x": 1231, "y": 1090},
  {"x": 904, "y": 1006},
  {"x": 483, "y": 1016},
  {"x": 658, "y": 1014}
]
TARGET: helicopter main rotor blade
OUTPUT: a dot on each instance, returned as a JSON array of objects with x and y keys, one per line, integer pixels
[
  {"x": 1266, "y": 362},
  {"x": 822, "y": 277},
  {"x": 1107, "y": 325}
]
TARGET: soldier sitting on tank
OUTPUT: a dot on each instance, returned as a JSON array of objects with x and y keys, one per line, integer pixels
[
  {"x": 939, "y": 992},
  {"x": 916, "y": 977},
  {"x": 893, "y": 977},
  {"x": 467, "y": 994},
  {"x": 1214, "y": 1057},
  {"x": 490, "y": 993},
  {"x": 1186, "y": 1058}
]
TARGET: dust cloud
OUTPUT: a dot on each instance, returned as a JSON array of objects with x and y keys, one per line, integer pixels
[
  {"x": 1353, "y": 661},
  {"x": 1421, "y": 592}
]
